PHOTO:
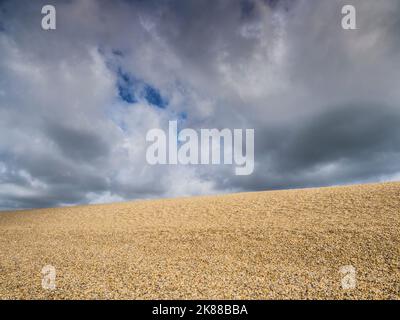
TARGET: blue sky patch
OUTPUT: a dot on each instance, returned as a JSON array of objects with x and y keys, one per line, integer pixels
[
  {"x": 126, "y": 94},
  {"x": 183, "y": 115},
  {"x": 153, "y": 96},
  {"x": 126, "y": 87},
  {"x": 131, "y": 90}
]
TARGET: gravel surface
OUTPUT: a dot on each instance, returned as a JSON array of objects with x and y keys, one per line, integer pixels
[{"x": 264, "y": 245}]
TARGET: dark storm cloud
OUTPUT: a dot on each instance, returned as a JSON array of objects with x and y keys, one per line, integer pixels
[
  {"x": 345, "y": 144},
  {"x": 78, "y": 144},
  {"x": 324, "y": 102},
  {"x": 345, "y": 133}
]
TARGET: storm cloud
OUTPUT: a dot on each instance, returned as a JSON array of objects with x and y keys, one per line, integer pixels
[{"x": 76, "y": 102}]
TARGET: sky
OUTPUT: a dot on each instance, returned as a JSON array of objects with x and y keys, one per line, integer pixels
[{"x": 76, "y": 102}]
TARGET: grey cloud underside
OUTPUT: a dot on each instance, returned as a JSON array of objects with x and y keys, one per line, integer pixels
[
  {"x": 324, "y": 102},
  {"x": 78, "y": 145}
]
